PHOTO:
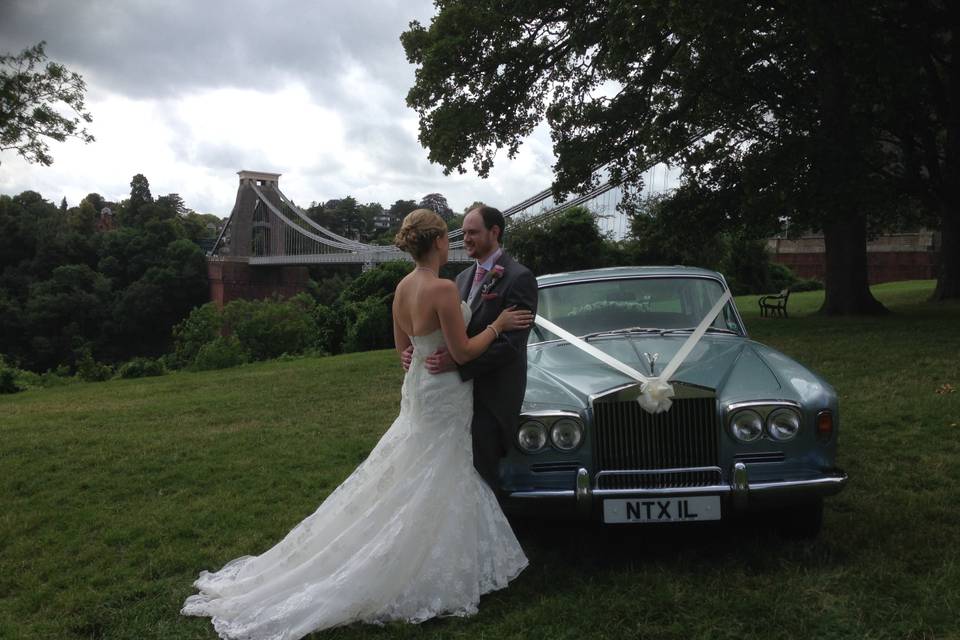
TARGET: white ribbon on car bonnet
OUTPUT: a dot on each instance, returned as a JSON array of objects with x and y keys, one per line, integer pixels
[{"x": 656, "y": 391}]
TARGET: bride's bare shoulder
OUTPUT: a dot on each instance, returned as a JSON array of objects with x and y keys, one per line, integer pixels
[
  {"x": 443, "y": 290},
  {"x": 442, "y": 285}
]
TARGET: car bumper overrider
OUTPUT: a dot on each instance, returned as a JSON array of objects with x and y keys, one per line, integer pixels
[{"x": 741, "y": 493}]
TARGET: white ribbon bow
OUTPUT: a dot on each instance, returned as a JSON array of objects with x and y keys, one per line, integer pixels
[{"x": 656, "y": 391}]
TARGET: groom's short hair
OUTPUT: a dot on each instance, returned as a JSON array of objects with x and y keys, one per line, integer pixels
[{"x": 491, "y": 217}]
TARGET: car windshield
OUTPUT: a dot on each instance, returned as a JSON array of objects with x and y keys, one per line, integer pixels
[{"x": 632, "y": 304}]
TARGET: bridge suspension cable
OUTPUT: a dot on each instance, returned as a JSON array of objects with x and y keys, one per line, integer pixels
[{"x": 266, "y": 227}]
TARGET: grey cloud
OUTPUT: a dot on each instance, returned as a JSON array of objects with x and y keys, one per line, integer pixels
[
  {"x": 165, "y": 50},
  {"x": 154, "y": 49}
]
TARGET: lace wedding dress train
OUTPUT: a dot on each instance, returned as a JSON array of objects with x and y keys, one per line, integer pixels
[{"x": 413, "y": 533}]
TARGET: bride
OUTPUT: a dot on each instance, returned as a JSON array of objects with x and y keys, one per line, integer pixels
[{"x": 413, "y": 532}]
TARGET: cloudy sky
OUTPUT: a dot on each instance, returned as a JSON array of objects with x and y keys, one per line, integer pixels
[{"x": 189, "y": 92}]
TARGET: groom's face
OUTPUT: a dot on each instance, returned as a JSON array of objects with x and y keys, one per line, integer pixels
[{"x": 477, "y": 239}]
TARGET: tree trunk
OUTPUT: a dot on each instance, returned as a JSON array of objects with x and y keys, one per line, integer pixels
[
  {"x": 838, "y": 167},
  {"x": 848, "y": 292},
  {"x": 948, "y": 276}
]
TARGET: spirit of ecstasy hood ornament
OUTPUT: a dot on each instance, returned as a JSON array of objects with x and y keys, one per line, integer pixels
[{"x": 651, "y": 360}]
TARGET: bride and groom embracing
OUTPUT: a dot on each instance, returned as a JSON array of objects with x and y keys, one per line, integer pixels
[{"x": 415, "y": 531}]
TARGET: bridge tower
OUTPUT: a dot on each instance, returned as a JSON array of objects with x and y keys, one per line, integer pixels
[{"x": 249, "y": 233}]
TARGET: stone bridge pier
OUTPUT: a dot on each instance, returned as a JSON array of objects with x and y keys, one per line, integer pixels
[{"x": 232, "y": 279}]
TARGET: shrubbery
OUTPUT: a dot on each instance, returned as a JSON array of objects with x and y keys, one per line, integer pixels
[
  {"x": 358, "y": 319},
  {"x": 141, "y": 368},
  {"x": 807, "y": 284},
  {"x": 89, "y": 370},
  {"x": 222, "y": 352},
  {"x": 781, "y": 276},
  {"x": 8, "y": 379},
  {"x": 268, "y": 328},
  {"x": 371, "y": 325},
  {"x": 197, "y": 329}
]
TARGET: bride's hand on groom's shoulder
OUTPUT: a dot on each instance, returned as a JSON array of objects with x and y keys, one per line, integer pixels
[{"x": 512, "y": 318}]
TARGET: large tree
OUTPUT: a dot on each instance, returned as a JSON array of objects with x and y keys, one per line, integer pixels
[
  {"x": 769, "y": 106},
  {"x": 39, "y": 101},
  {"x": 922, "y": 119}
]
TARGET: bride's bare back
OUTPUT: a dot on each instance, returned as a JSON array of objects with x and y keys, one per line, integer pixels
[
  {"x": 415, "y": 302},
  {"x": 424, "y": 303}
]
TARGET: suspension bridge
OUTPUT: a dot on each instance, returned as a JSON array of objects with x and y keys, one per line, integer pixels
[{"x": 268, "y": 240}]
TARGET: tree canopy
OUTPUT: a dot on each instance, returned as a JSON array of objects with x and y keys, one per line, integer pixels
[
  {"x": 33, "y": 99},
  {"x": 775, "y": 110},
  {"x": 68, "y": 288},
  {"x": 437, "y": 202}
]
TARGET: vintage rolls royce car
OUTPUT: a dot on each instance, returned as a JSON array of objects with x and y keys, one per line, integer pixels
[{"x": 747, "y": 427}]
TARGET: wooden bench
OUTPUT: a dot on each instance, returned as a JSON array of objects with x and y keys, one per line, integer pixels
[{"x": 774, "y": 304}]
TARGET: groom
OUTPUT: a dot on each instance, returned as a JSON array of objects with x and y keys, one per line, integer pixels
[{"x": 492, "y": 283}]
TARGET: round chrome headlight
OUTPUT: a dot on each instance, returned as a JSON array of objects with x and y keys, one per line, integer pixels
[
  {"x": 566, "y": 434},
  {"x": 532, "y": 436},
  {"x": 746, "y": 425},
  {"x": 783, "y": 424}
]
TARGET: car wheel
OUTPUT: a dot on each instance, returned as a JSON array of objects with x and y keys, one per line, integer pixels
[{"x": 800, "y": 521}]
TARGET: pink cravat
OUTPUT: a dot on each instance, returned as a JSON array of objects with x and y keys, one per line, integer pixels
[{"x": 478, "y": 277}]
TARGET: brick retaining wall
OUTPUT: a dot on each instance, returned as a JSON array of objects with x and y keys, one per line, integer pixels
[
  {"x": 233, "y": 279},
  {"x": 902, "y": 256}
]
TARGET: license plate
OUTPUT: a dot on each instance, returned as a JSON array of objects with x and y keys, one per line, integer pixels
[{"x": 690, "y": 509}]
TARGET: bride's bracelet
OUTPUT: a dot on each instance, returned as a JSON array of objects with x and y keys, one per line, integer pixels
[{"x": 495, "y": 332}]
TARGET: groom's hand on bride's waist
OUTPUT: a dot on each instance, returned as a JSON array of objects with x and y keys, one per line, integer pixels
[
  {"x": 406, "y": 358},
  {"x": 440, "y": 361}
]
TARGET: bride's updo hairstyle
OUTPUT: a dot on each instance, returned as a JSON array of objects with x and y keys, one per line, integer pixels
[{"x": 418, "y": 231}]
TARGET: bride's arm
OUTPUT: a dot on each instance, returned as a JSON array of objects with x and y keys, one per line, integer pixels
[
  {"x": 400, "y": 338},
  {"x": 462, "y": 348}
]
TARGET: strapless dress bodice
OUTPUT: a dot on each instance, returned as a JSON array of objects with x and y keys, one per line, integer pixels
[{"x": 424, "y": 345}]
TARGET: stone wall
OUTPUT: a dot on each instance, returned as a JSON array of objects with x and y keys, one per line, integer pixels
[{"x": 901, "y": 256}]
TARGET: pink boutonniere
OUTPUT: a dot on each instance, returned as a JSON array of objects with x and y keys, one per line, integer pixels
[{"x": 495, "y": 274}]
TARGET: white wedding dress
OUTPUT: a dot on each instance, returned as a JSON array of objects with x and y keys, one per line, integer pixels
[{"x": 413, "y": 533}]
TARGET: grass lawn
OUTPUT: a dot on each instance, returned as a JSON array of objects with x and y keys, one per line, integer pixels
[{"x": 114, "y": 495}]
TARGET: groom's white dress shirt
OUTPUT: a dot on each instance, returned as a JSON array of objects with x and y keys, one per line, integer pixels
[{"x": 486, "y": 265}]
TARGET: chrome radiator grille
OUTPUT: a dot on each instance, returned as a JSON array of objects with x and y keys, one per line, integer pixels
[{"x": 627, "y": 438}]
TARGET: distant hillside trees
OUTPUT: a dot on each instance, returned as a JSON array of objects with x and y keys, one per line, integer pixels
[{"x": 70, "y": 286}]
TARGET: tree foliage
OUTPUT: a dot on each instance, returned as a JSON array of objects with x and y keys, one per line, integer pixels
[
  {"x": 773, "y": 109},
  {"x": 438, "y": 203},
  {"x": 571, "y": 240},
  {"x": 33, "y": 98},
  {"x": 921, "y": 121},
  {"x": 71, "y": 293},
  {"x": 348, "y": 217}
]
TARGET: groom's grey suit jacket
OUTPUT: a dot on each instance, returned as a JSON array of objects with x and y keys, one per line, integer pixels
[{"x": 500, "y": 374}]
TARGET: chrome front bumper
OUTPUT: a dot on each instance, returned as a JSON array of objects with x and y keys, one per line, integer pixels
[{"x": 741, "y": 492}]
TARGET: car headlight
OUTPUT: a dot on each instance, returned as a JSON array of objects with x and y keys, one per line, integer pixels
[
  {"x": 746, "y": 425},
  {"x": 783, "y": 424},
  {"x": 566, "y": 434},
  {"x": 532, "y": 436}
]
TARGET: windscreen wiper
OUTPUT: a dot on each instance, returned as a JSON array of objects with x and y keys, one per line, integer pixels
[
  {"x": 616, "y": 332},
  {"x": 709, "y": 329}
]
